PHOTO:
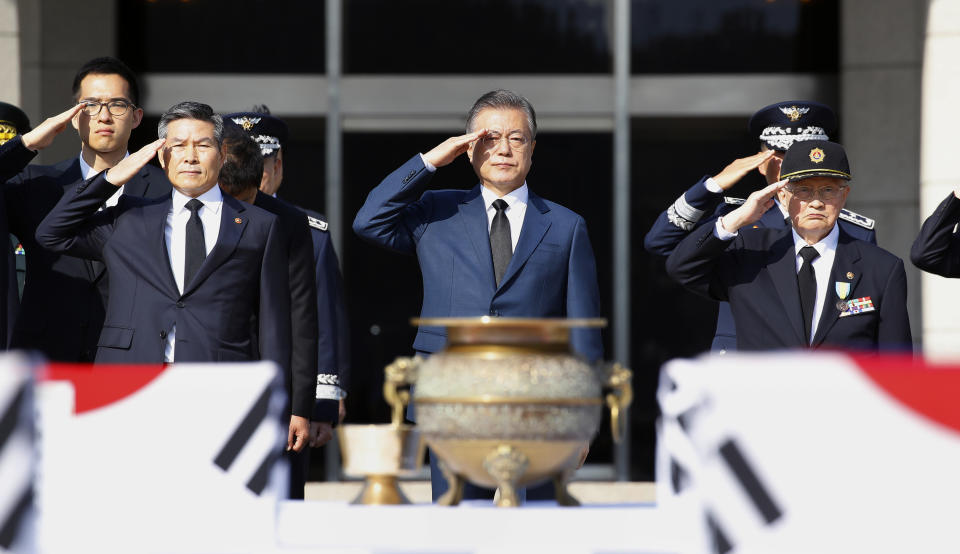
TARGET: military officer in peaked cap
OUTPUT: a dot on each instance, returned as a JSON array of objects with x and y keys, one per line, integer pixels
[
  {"x": 13, "y": 122},
  {"x": 777, "y": 126},
  {"x": 809, "y": 285},
  {"x": 271, "y": 133}
]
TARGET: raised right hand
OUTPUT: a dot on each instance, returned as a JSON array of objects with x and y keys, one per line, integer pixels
[
  {"x": 738, "y": 168},
  {"x": 448, "y": 150},
  {"x": 752, "y": 208},
  {"x": 119, "y": 174},
  {"x": 42, "y": 136}
]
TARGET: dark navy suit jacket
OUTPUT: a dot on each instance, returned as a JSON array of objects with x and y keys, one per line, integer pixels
[
  {"x": 668, "y": 230},
  {"x": 756, "y": 272},
  {"x": 64, "y": 297},
  {"x": 552, "y": 272},
  {"x": 244, "y": 277},
  {"x": 937, "y": 247}
]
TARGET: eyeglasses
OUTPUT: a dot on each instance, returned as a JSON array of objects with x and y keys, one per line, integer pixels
[
  {"x": 806, "y": 194},
  {"x": 516, "y": 142},
  {"x": 115, "y": 107}
]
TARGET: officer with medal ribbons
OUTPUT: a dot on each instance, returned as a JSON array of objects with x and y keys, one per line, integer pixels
[
  {"x": 810, "y": 285},
  {"x": 777, "y": 126},
  {"x": 13, "y": 122}
]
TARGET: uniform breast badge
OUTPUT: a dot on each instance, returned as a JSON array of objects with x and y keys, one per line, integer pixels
[
  {"x": 858, "y": 306},
  {"x": 843, "y": 290}
]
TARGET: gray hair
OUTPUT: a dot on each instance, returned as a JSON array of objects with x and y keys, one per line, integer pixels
[
  {"x": 501, "y": 99},
  {"x": 192, "y": 110}
]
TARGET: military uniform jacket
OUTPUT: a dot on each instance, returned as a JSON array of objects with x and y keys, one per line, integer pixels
[
  {"x": 756, "y": 272},
  {"x": 552, "y": 272},
  {"x": 937, "y": 247},
  {"x": 64, "y": 297},
  {"x": 699, "y": 206}
]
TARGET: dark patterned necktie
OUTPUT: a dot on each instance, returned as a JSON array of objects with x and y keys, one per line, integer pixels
[
  {"x": 807, "y": 280},
  {"x": 195, "y": 248},
  {"x": 500, "y": 244}
]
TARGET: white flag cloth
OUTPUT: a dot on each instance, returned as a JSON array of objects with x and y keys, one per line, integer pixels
[{"x": 810, "y": 452}]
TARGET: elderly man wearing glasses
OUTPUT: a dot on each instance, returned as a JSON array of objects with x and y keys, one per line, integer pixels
[
  {"x": 811, "y": 285},
  {"x": 62, "y": 309},
  {"x": 497, "y": 249}
]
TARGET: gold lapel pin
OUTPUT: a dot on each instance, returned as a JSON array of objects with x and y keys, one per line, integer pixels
[
  {"x": 238, "y": 221},
  {"x": 849, "y": 275}
]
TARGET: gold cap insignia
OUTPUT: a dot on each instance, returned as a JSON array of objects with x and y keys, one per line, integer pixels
[
  {"x": 237, "y": 220},
  {"x": 794, "y": 113},
  {"x": 7, "y": 131},
  {"x": 849, "y": 275},
  {"x": 817, "y": 155},
  {"x": 245, "y": 122}
]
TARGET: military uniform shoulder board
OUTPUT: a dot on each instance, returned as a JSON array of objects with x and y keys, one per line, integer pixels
[
  {"x": 733, "y": 201},
  {"x": 857, "y": 219},
  {"x": 317, "y": 223}
]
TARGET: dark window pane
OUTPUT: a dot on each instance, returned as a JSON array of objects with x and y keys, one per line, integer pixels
[
  {"x": 222, "y": 36},
  {"x": 735, "y": 36},
  {"x": 477, "y": 36}
]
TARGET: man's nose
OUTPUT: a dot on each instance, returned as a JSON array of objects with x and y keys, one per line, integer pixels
[
  {"x": 104, "y": 115},
  {"x": 503, "y": 146}
]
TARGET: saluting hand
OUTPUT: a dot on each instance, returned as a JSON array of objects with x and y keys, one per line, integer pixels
[
  {"x": 752, "y": 208},
  {"x": 448, "y": 150},
  {"x": 739, "y": 168},
  {"x": 128, "y": 167},
  {"x": 42, "y": 136}
]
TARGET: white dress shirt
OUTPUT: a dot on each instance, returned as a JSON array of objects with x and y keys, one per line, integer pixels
[
  {"x": 175, "y": 234},
  {"x": 827, "y": 247},
  {"x": 516, "y": 208},
  {"x": 86, "y": 172}
]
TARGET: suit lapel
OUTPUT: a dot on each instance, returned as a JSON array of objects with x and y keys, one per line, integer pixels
[
  {"x": 535, "y": 225},
  {"x": 232, "y": 224},
  {"x": 783, "y": 272},
  {"x": 154, "y": 223},
  {"x": 846, "y": 261},
  {"x": 473, "y": 215}
]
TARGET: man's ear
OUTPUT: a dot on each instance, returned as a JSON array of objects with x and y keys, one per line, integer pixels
[
  {"x": 137, "y": 117},
  {"x": 75, "y": 120},
  {"x": 470, "y": 150},
  {"x": 160, "y": 156}
]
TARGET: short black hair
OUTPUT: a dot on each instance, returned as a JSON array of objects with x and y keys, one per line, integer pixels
[
  {"x": 243, "y": 164},
  {"x": 108, "y": 65}
]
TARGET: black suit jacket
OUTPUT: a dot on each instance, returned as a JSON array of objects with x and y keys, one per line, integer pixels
[
  {"x": 756, "y": 272},
  {"x": 62, "y": 309},
  {"x": 243, "y": 278},
  {"x": 937, "y": 247}
]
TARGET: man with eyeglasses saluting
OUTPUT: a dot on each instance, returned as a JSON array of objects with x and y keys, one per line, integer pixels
[
  {"x": 497, "y": 249},
  {"x": 62, "y": 309},
  {"x": 812, "y": 285}
]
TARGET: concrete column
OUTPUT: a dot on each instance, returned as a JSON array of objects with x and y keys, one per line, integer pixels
[
  {"x": 56, "y": 38},
  {"x": 10, "y": 46},
  {"x": 880, "y": 69},
  {"x": 939, "y": 173}
]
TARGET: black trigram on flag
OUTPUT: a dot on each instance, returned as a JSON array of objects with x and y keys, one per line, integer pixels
[
  {"x": 16, "y": 458},
  {"x": 255, "y": 417},
  {"x": 746, "y": 477}
]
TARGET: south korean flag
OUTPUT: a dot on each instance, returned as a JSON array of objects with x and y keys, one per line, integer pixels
[{"x": 17, "y": 455}]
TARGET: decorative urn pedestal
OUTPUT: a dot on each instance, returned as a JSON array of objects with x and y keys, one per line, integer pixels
[{"x": 507, "y": 404}]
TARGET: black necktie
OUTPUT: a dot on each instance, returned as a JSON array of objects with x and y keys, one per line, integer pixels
[
  {"x": 500, "y": 244},
  {"x": 807, "y": 280},
  {"x": 195, "y": 248}
]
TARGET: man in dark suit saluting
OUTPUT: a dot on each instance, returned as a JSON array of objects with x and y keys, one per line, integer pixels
[
  {"x": 63, "y": 301},
  {"x": 497, "y": 249},
  {"x": 189, "y": 271},
  {"x": 811, "y": 285}
]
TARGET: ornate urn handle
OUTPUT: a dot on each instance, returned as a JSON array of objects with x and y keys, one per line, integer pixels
[
  {"x": 398, "y": 377},
  {"x": 619, "y": 395}
]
